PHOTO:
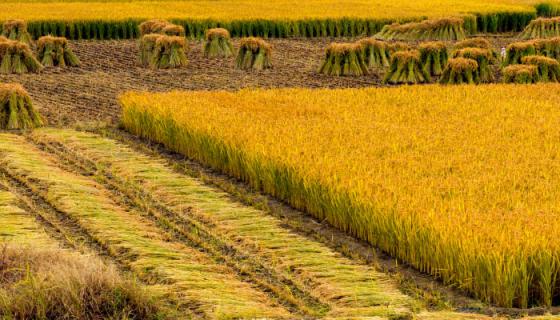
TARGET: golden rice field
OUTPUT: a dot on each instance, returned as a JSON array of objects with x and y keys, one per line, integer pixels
[
  {"x": 251, "y": 9},
  {"x": 460, "y": 181}
]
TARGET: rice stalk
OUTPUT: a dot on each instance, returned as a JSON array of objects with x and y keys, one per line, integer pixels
[
  {"x": 254, "y": 54},
  {"x": 548, "y": 69},
  {"x": 433, "y": 57},
  {"x": 542, "y": 28},
  {"x": 161, "y": 27},
  {"x": 17, "y": 57},
  {"x": 16, "y": 30},
  {"x": 344, "y": 59},
  {"x": 406, "y": 68},
  {"x": 16, "y": 109},
  {"x": 521, "y": 74},
  {"x": 169, "y": 52},
  {"x": 460, "y": 71},
  {"x": 483, "y": 58},
  {"x": 517, "y": 50},
  {"x": 375, "y": 53},
  {"x": 445, "y": 29},
  {"x": 55, "y": 52}
]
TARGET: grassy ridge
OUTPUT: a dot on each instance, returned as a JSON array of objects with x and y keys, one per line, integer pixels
[{"x": 452, "y": 216}]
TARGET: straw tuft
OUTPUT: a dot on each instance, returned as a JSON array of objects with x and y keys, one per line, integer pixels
[
  {"x": 16, "y": 109},
  {"x": 254, "y": 54},
  {"x": 218, "y": 43},
  {"x": 55, "y": 51}
]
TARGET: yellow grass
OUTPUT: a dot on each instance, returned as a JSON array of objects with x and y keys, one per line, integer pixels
[
  {"x": 462, "y": 181},
  {"x": 251, "y": 9}
]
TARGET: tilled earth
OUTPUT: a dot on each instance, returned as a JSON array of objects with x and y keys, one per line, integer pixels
[
  {"x": 109, "y": 68},
  {"x": 89, "y": 93}
]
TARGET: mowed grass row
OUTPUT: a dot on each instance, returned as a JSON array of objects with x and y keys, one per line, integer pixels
[
  {"x": 461, "y": 182},
  {"x": 20, "y": 228},
  {"x": 119, "y": 19},
  {"x": 182, "y": 272},
  {"x": 349, "y": 289}
]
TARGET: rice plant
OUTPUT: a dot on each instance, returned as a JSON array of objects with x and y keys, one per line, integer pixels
[
  {"x": 169, "y": 52},
  {"x": 374, "y": 53},
  {"x": 438, "y": 29},
  {"x": 406, "y": 68},
  {"x": 460, "y": 71},
  {"x": 344, "y": 59},
  {"x": 161, "y": 27},
  {"x": 17, "y": 57},
  {"x": 548, "y": 69},
  {"x": 517, "y": 50},
  {"x": 521, "y": 74},
  {"x": 16, "y": 109},
  {"x": 483, "y": 58},
  {"x": 433, "y": 57},
  {"x": 55, "y": 51},
  {"x": 16, "y": 30},
  {"x": 254, "y": 54},
  {"x": 218, "y": 43},
  {"x": 542, "y": 28}
]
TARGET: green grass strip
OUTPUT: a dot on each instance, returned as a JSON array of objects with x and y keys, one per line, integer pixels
[{"x": 136, "y": 242}]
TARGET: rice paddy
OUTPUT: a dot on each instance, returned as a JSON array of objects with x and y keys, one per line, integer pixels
[
  {"x": 246, "y": 159},
  {"x": 366, "y": 175}
]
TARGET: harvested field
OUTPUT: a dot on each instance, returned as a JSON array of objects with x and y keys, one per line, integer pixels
[{"x": 89, "y": 93}]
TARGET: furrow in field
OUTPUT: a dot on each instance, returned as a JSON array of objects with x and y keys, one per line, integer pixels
[
  {"x": 192, "y": 277},
  {"x": 349, "y": 288}
]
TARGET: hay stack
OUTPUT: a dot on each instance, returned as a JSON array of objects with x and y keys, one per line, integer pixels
[
  {"x": 374, "y": 53},
  {"x": 433, "y": 57},
  {"x": 55, "y": 51},
  {"x": 17, "y": 57},
  {"x": 146, "y": 48},
  {"x": 480, "y": 43},
  {"x": 460, "y": 71},
  {"x": 542, "y": 28},
  {"x": 438, "y": 29},
  {"x": 517, "y": 50},
  {"x": 521, "y": 74},
  {"x": 16, "y": 30},
  {"x": 406, "y": 68},
  {"x": 548, "y": 69},
  {"x": 548, "y": 47},
  {"x": 218, "y": 43},
  {"x": 254, "y": 53},
  {"x": 344, "y": 59},
  {"x": 483, "y": 58},
  {"x": 169, "y": 52},
  {"x": 161, "y": 27},
  {"x": 16, "y": 109}
]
